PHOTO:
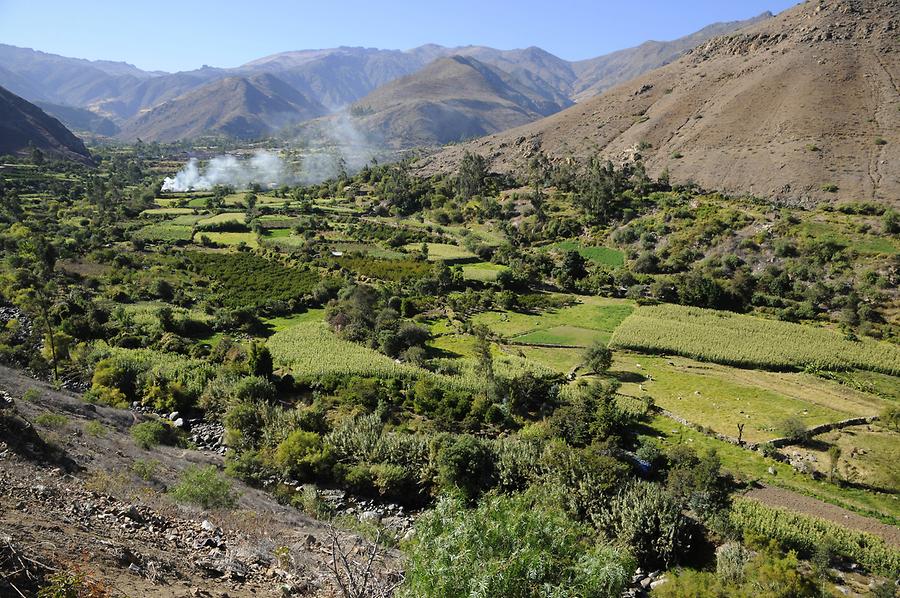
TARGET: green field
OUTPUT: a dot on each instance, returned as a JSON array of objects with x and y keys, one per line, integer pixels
[
  {"x": 442, "y": 252},
  {"x": 599, "y": 255},
  {"x": 560, "y": 360},
  {"x": 282, "y": 323},
  {"x": 163, "y": 232},
  {"x": 593, "y": 319},
  {"x": 483, "y": 271},
  {"x": 166, "y": 211},
  {"x": 231, "y": 238},
  {"x": 751, "y": 465},
  {"x": 224, "y": 217},
  {"x": 748, "y": 341},
  {"x": 721, "y": 397}
]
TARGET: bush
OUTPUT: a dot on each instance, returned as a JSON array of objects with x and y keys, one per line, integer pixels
[
  {"x": 95, "y": 429},
  {"x": 301, "y": 455},
  {"x": 794, "y": 428},
  {"x": 465, "y": 463},
  {"x": 204, "y": 487},
  {"x": 145, "y": 469},
  {"x": 649, "y": 521},
  {"x": 512, "y": 546},
  {"x": 51, "y": 420},
  {"x": 152, "y": 433}
]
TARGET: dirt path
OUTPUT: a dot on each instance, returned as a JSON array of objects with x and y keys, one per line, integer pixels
[{"x": 793, "y": 501}]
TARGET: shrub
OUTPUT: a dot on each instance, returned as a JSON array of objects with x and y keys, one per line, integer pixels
[
  {"x": 152, "y": 433},
  {"x": 465, "y": 463},
  {"x": 794, "y": 428},
  {"x": 145, "y": 469},
  {"x": 510, "y": 546},
  {"x": 95, "y": 429},
  {"x": 301, "y": 455},
  {"x": 51, "y": 420},
  {"x": 204, "y": 487},
  {"x": 731, "y": 562},
  {"x": 647, "y": 519},
  {"x": 31, "y": 394}
]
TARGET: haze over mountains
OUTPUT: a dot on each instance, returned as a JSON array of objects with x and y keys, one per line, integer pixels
[
  {"x": 803, "y": 107},
  {"x": 303, "y": 83}
]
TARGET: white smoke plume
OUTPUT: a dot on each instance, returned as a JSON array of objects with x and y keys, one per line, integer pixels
[{"x": 264, "y": 168}]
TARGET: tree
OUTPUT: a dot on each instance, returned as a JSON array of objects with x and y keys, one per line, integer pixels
[
  {"x": 834, "y": 458},
  {"x": 472, "y": 173},
  {"x": 260, "y": 360},
  {"x": 598, "y": 358},
  {"x": 485, "y": 363},
  {"x": 36, "y": 283},
  {"x": 539, "y": 169}
]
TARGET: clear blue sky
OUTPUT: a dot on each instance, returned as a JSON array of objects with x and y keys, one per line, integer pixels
[{"x": 181, "y": 35}]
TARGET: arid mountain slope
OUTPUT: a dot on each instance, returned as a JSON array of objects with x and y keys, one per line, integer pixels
[
  {"x": 451, "y": 99},
  {"x": 239, "y": 107},
  {"x": 803, "y": 107},
  {"x": 23, "y": 125}
]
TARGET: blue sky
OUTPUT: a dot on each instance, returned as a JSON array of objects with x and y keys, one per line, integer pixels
[{"x": 181, "y": 35}]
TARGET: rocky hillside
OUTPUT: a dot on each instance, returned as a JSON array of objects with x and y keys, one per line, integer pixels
[
  {"x": 23, "y": 125},
  {"x": 238, "y": 107},
  {"x": 803, "y": 107}
]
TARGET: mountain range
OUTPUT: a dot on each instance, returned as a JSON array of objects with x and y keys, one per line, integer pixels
[
  {"x": 24, "y": 126},
  {"x": 305, "y": 84},
  {"x": 803, "y": 107}
]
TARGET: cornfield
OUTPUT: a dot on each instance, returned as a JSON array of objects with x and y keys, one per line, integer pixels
[
  {"x": 748, "y": 341},
  {"x": 804, "y": 533}
]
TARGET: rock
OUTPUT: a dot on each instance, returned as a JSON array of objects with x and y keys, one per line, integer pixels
[
  {"x": 655, "y": 574},
  {"x": 178, "y": 423},
  {"x": 772, "y": 471},
  {"x": 658, "y": 583},
  {"x": 208, "y": 526},
  {"x": 174, "y": 415},
  {"x": 645, "y": 583},
  {"x": 370, "y": 517}
]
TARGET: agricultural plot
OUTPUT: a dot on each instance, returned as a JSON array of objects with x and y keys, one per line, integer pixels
[
  {"x": 223, "y": 218},
  {"x": 560, "y": 360},
  {"x": 605, "y": 256},
  {"x": 163, "y": 232},
  {"x": 442, "y": 252},
  {"x": 249, "y": 279},
  {"x": 751, "y": 465},
  {"x": 368, "y": 249},
  {"x": 392, "y": 270},
  {"x": 721, "y": 398},
  {"x": 166, "y": 211},
  {"x": 282, "y": 323},
  {"x": 748, "y": 341},
  {"x": 591, "y": 320},
  {"x": 483, "y": 271},
  {"x": 868, "y": 455},
  {"x": 233, "y": 239}
]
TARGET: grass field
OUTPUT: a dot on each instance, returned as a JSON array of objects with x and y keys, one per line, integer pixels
[
  {"x": 163, "y": 232},
  {"x": 868, "y": 455},
  {"x": 482, "y": 271},
  {"x": 748, "y": 341},
  {"x": 223, "y": 218},
  {"x": 442, "y": 252},
  {"x": 593, "y": 319},
  {"x": 599, "y": 255},
  {"x": 231, "y": 238},
  {"x": 282, "y": 323},
  {"x": 560, "y": 360},
  {"x": 721, "y": 397},
  {"x": 166, "y": 211}
]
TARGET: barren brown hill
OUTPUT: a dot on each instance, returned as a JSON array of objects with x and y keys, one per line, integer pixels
[
  {"x": 451, "y": 99},
  {"x": 240, "y": 107},
  {"x": 803, "y": 107}
]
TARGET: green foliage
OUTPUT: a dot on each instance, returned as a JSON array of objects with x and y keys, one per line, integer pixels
[
  {"x": 204, "y": 487},
  {"x": 646, "y": 519},
  {"x": 95, "y": 429},
  {"x": 747, "y": 341},
  {"x": 302, "y": 455},
  {"x": 145, "y": 469},
  {"x": 598, "y": 358},
  {"x": 247, "y": 279},
  {"x": 51, "y": 420},
  {"x": 804, "y": 533},
  {"x": 383, "y": 269},
  {"x": 464, "y": 463},
  {"x": 519, "y": 546},
  {"x": 155, "y": 432}
]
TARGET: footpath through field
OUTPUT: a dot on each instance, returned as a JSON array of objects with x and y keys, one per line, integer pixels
[{"x": 799, "y": 503}]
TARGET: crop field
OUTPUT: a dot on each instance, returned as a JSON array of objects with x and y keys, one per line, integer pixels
[
  {"x": 840, "y": 229},
  {"x": 751, "y": 465},
  {"x": 164, "y": 232},
  {"x": 249, "y": 279},
  {"x": 748, "y": 341},
  {"x": 442, "y": 252},
  {"x": 166, "y": 211},
  {"x": 224, "y": 217},
  {"x": 231, "y": 238},
  {"x": 393, "y": 270},
  {"x": 721, "y": 397},
  {"x": 282, "y": 323},
  {"x": 599, "y": 255},
  {"x": 483, "y": 271},
  {"x": 558, "y": 359},
  {"x": 369, "y": 249},
  {"x": 563, "y": 326}
]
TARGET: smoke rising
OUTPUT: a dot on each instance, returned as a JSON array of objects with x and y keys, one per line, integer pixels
[{"x": 264, "y": 168}]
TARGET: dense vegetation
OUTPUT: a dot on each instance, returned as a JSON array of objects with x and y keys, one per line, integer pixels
[{"x": 484, "y": 350}]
